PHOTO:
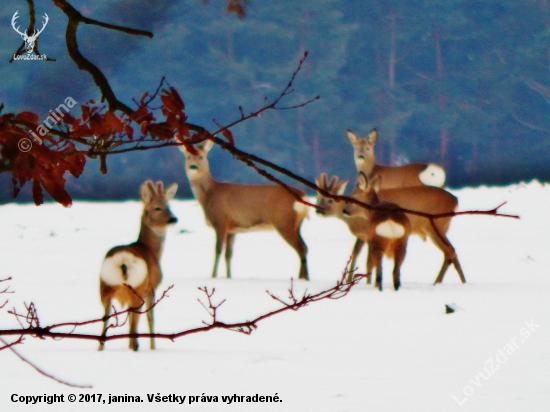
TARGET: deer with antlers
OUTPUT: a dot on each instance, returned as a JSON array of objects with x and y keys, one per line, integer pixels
[
  {"x": 386, "y": 229},
  {"x": 424, "y": 199},
  {"x": 414, "y": 174},
  {"x": 232, "y": 208},
  {"x": 131, "y": 273},
  {"x": 29, "y": 40}
]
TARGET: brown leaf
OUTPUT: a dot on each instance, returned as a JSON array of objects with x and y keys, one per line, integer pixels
[
  {"x": 129, "y": 131},
  {"x": 85, "y": 113},
  {"x": 144, "y": 127},
  {"x": 28, "y": 117},
  {"x": 170, "y": 104},
  {"x": 188, "y": 146},
  {"x": 177, "y": 99},
  {"x": 37, "y": 194},
  {"x": 228, "y": 135},
  {"x": 236, "y": 6},
  {"x": 113, "y": 121}
]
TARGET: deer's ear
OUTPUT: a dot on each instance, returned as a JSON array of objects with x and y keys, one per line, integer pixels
[
  {"x": 352, "y": 137},
  {"x": 362, "y": 182},
  {"x": 159, "y": 187},
  {"x": 373, "y": 135},
  {"x": 183, "y": 149},
  {"x": 170, "y": 192},
  {"x": 321, "y": 180},
  {"x": 207, "y": 145},
  {"x": 146, "y": 191},
  {"x": 341, "y": 187},
  {"x": 376, "y": 183}
]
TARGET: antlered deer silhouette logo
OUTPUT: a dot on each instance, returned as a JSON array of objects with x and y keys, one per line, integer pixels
[{"x": 29, "y": 40}]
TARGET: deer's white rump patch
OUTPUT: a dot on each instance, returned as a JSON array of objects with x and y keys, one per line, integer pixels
[
  {"x": 433, "y": 175},
  {"x": 302, "y": 209},
  {"x": 112, "y": 271},
  {"x": 390, "y": 229}
]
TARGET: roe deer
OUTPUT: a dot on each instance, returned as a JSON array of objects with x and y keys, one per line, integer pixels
[
  {"x": 413, "y": 174},
  {"x": 232, "y": 208},
  {"x": 131, "y": 273},
  {"x": 423, "y": 199},
  {"x": 387, "y": 230},
  {"x": 330, "y": 207}
]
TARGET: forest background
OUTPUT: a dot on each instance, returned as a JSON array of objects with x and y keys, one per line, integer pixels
[{"x": 462, "y": 83}]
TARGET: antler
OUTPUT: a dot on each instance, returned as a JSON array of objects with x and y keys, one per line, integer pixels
[
  {"x": 13, "y": 19},
  {"x": 46, "y": 20}
]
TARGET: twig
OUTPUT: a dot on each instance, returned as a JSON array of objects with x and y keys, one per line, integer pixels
[{"x": 39, "y": 370}]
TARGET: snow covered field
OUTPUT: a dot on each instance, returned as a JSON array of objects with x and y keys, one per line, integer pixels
[{"x": 371, "y": 351}]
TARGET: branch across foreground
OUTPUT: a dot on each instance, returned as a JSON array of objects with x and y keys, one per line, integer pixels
[{"x": 292, "y": 302}]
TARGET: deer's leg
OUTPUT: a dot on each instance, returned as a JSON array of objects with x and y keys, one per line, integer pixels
[
  {"x": 229, "y": 241},
  {"x": 370, "y": 266},
  {"x": 446, "y": 263},
  {"x": 133, "y": 319},
  {"x": 150, "y": 317},
  {"x": 107, "y": 305},
  {"x": 458, "y": 268},
  {"x": 399, "y": 257},
  {"x": 375, "y": 256},
  {"x": 449, "y": 257},
  {"x": 378, "y": 283},
  {"x": 354, "y": 253},
  {"x": 220, "y": 242},
  {"x": 293, "y": 238}
]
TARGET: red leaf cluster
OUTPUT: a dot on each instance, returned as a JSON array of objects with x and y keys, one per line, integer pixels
[
  {"x": 30, "y": 161},
  {"x": 43, "y": 158}
]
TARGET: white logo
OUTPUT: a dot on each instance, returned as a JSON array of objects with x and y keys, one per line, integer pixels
[{"x": 30, "y": 41}]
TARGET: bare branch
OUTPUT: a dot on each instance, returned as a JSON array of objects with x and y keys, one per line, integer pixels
[
  {"x": 339, "y": 290},
  {"x": 8, "y": 345},
  {"x": 75, "y": 18},
  {"x": 36, "y": 368}
]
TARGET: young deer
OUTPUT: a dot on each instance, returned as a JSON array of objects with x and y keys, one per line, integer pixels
[
  {"x": 387, "y": 230},
  {"x": 413, "y": 174},
  {"x": 131, "y": 273},
  {"x": 232, "y": 208},
  {"x": 423, "y": 199}
]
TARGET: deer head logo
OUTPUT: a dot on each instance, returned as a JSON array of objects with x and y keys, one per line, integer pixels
[{"x": 29, "y": 40}]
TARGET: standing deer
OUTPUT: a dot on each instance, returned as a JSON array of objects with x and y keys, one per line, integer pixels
[
  {"x": 414, "y": 174},
  {"x": 131, "y": 273},
  {"x": 232, "y": 208},
  {"x": 327, "y": 206},
  {"x": 423, "y": 199},
  {"x": 387, "y": 229}
]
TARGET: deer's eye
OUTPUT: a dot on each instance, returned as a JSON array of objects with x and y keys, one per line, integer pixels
[{"x": 158, "y": 208}]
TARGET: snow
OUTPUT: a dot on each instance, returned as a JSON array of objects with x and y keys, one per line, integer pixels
[{"x": 379, "y": 351}]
